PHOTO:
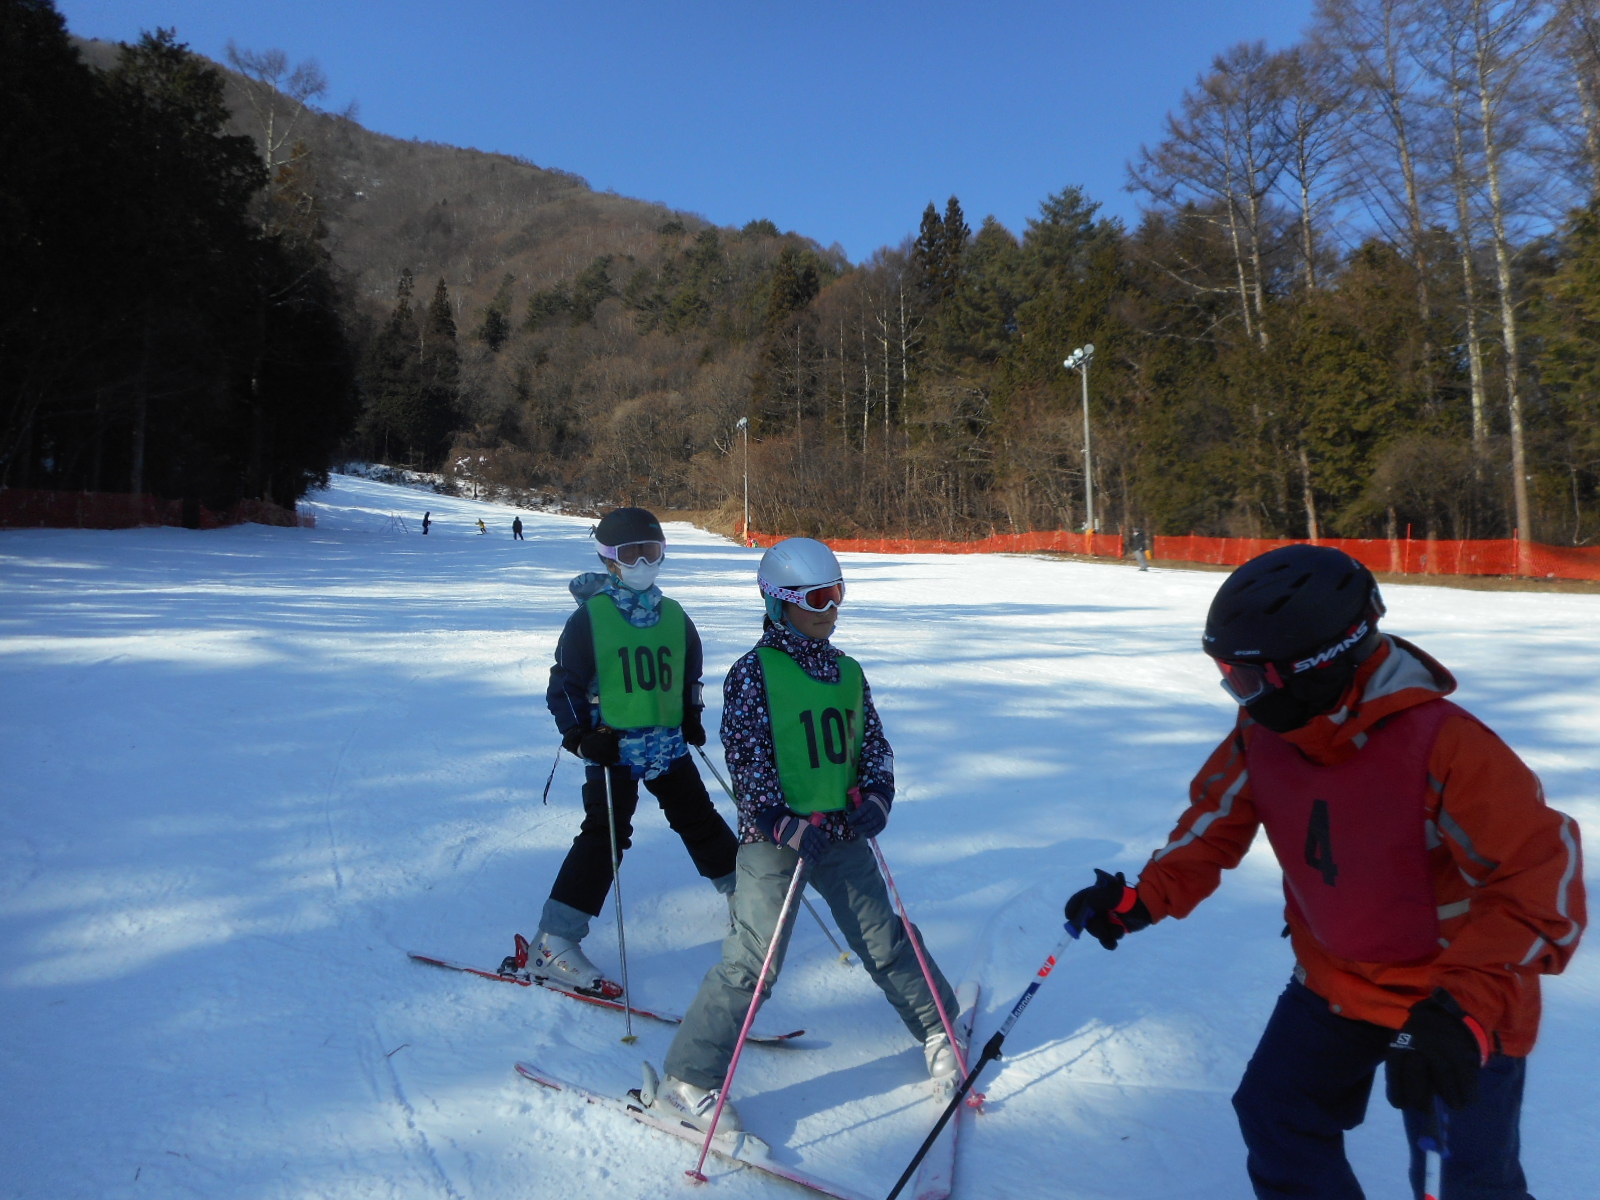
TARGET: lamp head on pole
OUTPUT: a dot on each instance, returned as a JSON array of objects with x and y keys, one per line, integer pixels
[
  {"x": 1079, "y": 358},
  {"x": 742, "y": 423}
]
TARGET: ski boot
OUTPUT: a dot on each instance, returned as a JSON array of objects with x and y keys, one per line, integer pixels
[
  {"x": 559, "y": 963},
  {"x": 693, "y": 1106},
  {"x": 944, "y": 1066}
]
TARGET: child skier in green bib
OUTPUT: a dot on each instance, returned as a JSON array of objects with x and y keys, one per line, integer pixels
[
  {"x": 814, "y": 778},
  {"x": 625, "y": 693}
]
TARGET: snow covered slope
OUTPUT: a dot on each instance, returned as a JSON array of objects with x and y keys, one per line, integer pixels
[{"x": 242, "y": 772}]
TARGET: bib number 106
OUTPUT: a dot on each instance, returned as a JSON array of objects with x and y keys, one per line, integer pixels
[{"x": 645, "y": 669}]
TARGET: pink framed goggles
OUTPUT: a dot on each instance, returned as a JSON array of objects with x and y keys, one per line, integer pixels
[
  {"x": 820, "y": 598},
  {"x": 631, "y": 553}
]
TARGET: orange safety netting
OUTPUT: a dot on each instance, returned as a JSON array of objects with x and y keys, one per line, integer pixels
[{"x": 1397, "y": 556}]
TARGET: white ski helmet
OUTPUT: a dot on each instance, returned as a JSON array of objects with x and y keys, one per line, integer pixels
[{"x": 794, "y": 565}]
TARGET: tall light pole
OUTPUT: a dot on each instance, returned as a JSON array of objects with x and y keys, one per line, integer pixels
[
  {"x": 744, "y": 427},
  {"x": 1079, "y": 361}
]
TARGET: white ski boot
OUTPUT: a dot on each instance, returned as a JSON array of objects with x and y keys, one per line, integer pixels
[
  {"x": 694, "y": 1106},
  {"x": 563, "y": 962},
  {"x": 944, "y": 1067}
]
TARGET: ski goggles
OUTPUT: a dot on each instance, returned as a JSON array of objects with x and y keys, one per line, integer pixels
[
  {"x": 817, "y": 599},
  {"x": 1247, "y": 682},
  {"x": 632, "y": 553}
]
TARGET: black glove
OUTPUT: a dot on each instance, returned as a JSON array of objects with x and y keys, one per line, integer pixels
[
  {"x": 694, "y": 729},
  {"x": 599, "y": 746},
  {"x": 869, "y": 816},
  {"x": 1108, "y": 910},
  {"x": 794, "y": 831},
  {"x": 1438, "y": 1052}
]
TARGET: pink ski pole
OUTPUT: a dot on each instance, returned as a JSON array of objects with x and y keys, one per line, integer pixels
[
  {"x": 922, "y": 961},
  {"x": 696, "y": 1173}
]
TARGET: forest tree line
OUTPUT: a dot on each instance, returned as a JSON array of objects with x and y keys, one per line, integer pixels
[
  {"x": 169, "y": 320},
  {"x": 1361, "y": 300}
]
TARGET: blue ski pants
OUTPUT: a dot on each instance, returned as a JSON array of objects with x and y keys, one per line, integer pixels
[{"x": 1308, "y": 1084}]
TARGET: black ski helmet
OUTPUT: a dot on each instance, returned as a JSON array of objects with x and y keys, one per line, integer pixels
[
  {"x": 623, "y": 525},
  {"x": 1293, "y": 605}
]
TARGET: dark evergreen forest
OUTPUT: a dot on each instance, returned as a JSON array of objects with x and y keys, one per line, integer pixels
[
  {"x": 169, "y": 324},
  {"x": 1362, "y": 299}
]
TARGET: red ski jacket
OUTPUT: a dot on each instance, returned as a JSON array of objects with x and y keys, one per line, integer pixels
[{"x": 1505, "y": 869}]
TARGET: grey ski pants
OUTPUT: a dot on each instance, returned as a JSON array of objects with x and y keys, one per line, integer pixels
[{"x": 848, "y": 880}]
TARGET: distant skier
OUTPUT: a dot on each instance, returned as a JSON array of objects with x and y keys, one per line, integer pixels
[
  {"x": 425, "y": 523},
  {"x": 814, "y": 777},
  {"x": 482, "y": 528},
  {"x": 625, "y": 694},
  {"x": 516, "y": 529},
  {"x": 1427, "y": 884},
  {"x": 1139, "y": 547}
]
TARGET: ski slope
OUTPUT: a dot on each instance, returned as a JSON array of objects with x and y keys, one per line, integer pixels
[{"x": 242, "y": 772}]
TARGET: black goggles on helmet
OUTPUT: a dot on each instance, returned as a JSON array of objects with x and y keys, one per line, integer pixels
[{"x": 1247, "y": 682}]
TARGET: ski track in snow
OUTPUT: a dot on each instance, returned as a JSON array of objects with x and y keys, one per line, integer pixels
[{"x": 246, "y": 770}]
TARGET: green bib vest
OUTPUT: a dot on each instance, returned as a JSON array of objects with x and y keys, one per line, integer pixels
[
  {"x": 817, "y": 730},
  {"x": 639, "y": 669}
]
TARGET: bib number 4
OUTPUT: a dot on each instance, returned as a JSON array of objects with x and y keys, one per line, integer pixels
[{"x": 1319, "y": 843}]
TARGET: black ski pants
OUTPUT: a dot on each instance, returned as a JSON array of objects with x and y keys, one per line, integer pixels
[{"x": 585, "y": 875}]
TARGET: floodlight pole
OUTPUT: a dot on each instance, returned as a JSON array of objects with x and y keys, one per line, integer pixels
[
  {"x": 1079, "y": 361},
  {"x": 744, "y": 427}
]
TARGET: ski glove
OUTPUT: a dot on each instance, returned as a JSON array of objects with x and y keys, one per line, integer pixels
[
  {"x": 601, "y": 746},
  {"x": 694, "y": 729},
  {"x": 869, "y": 816},
  {"x": 1108, "y": 910},
  {"x": 796, "y": 832},
  {"x": 1437, "y": 1052}
]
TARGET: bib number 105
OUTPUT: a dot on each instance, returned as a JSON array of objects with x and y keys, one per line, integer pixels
[
  {"x": 828, "y": 735},
  {"x": 644, "y": 669}
]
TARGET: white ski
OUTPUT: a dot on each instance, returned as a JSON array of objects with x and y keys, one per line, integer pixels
[
  {"x": 745, "y": 1150},
  {"x": 617, "y": 1005},
  {"x": 937, "y": 1174}
]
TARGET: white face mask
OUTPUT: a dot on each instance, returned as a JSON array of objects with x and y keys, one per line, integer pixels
[{"x": 639, "y": 576}]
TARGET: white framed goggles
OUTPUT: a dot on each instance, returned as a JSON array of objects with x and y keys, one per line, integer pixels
[
  {"x": 817, "y": 598},
  {"x": 632, "y": 553}
]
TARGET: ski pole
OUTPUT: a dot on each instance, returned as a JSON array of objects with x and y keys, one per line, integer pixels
[
  {"x": 629, "y": 1037},
  {"x": 696, "y": 1173},
  {"x": 551, "y": 778},
  {"x": 922, "y": 960},
  {"x": 990, "y": 1052},
  {"x": 1435, "y": 1150},
  {"x": 844, "y": 955}
]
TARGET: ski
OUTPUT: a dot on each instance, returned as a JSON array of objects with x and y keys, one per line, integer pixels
[
  {"x": 670, "y": 1018},
  {"x": 937, "y": 1174},
  {"x": 744, "y": 1150}
]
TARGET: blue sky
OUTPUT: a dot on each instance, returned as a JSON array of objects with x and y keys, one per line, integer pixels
[{"x": 838, "y": 120}]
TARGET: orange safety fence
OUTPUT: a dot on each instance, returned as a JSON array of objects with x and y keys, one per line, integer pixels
[
  {"x": 1396, "y": 556},
  {"x": 27, "y": 508}
]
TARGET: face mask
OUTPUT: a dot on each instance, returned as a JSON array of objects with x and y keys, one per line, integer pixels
[{"x": 638, "y": 576}]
